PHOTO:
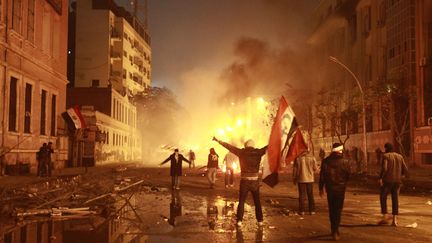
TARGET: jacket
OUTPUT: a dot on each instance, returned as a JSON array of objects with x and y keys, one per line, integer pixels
[
  {"x": 304, "y": 168},
  {"x": 176, "y": 166},
  {"x": 393, "y": 167},
  {"x": 249, "y": 158},
  {"x": 335, "y": 172}
]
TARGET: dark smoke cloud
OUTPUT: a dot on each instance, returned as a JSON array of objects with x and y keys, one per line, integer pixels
[{"x": 260, "y": 69}]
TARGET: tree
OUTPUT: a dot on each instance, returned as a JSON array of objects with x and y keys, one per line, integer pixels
[
  {"x": 394, "y": 98},
  {"x": 341, "y": 109}
]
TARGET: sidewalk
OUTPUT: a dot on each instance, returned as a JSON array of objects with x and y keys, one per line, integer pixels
[{"x": 22, "y": 180}]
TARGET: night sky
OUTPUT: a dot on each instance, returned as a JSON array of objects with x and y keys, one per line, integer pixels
[
  {"x": 200, "y": 34},
  {"x": 195, "y": 39}
]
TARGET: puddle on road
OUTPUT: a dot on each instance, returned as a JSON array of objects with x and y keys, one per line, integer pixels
[{"x": 146, "y": 217}]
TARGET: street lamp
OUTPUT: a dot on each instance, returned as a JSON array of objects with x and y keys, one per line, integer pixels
[{"x": 335, "y": 60}]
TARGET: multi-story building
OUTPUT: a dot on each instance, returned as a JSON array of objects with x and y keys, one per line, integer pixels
[
  {"x": 423, "y": 69},
  {"x": 112, "y": 62},
  {"x": 33, "y": 61},
  {"x": 379, "y": 41}
]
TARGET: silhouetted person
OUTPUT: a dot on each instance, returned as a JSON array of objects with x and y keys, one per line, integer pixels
[
  {"x": 192, "y": 159},
  {"x": 335, "y": 172},
  {"x": 393, "y": 167},
  {"x": 212, "y": 166},
  {"x": 250, "y": 159},
  {"x": 176, "y": 168},
  {"x": 43, "y": 159},
  {"x": 229, "y": 162},
  {"x": 50, "y": 150}
]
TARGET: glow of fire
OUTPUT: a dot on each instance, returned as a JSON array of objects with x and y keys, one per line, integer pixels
[{"x": 234, "y": 123}]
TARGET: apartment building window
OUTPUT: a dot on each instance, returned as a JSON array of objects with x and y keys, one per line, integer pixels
[
  {"x": 367, "y": 21},
  {"x": 23, "y": 234},
  {"x": 53, "y": 114},
  {"x": 30, "y": 20},
  {"x": 95, "y": 83},
  {"x": 16, "y": 15},
  {"x": 27, "y": 108},
  {"x": 13, "y": 104},
  {"x": 43, "y": 113},
  {"x": 382, "y": 14},
  {"x": 353, "y": 27}
]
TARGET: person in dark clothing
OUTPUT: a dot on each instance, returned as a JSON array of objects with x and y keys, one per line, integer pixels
[
  {"x": 393, "y": 168},
  {"x": 191, "y": 159},
  {"x": 49, "y": 151},
  {"x": 250, "y": 159},
  {"x": 334, "y": 174},
  {"x": 39, "y": 159},
  {"x": 42, "y": 157},
  {"x": 212, "y": 166},
  {"x": 176, "y": 167}
]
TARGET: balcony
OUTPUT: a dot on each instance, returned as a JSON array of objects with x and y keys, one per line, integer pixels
[
  {"x": 115, "y": 34},
  {"x": 137, "y": 60},
  {"x": 137, "y": 79},
  {"x": 115, "y": 54}
]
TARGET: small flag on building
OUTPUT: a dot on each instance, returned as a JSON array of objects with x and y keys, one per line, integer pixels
[
  {"x": 285, "y": 144},
  {"x": 74, "y": 117}
]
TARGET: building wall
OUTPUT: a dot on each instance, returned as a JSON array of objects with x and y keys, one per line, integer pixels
[
  {"x": 33, "y": 52},
  {"x": 385, "y": 41},
  {"x": 109, "y": 50},
  {"x": 113, "y": 64},
  {"x": 92, "y": 56}
]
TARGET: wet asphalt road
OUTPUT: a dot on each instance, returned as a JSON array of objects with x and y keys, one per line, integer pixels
[{"x": 196, "y": 213}]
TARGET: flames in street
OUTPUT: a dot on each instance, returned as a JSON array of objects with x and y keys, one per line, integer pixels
[{"x": 234, "y": 123}]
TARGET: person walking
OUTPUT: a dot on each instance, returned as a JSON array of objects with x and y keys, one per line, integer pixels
[
  {"x": 40, "y": 157},
  {"x": 393, "y": 168},
  {"x": 250, "y": 160},
  {"x": 50, "y": 165},
  {"x": 304, "y": 169},
  {"x": 176, "y": 160},
  {"x": 334, "y": 174},
  {"x": 191, "y": 159},
  {"x": 229, "y": 162},
  {"x": 212, "y": 166}
]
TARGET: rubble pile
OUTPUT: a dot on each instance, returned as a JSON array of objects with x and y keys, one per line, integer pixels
[{"x": 70, "y": 197}]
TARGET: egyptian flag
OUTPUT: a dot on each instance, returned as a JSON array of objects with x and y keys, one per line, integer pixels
[
  {"x": 280, "y": 142},
  {"x": 74, "y": 117},
  {"x": 296, "y": 147}
]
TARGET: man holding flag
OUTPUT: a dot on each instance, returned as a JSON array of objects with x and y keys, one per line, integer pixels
[{"x": 285, "y": 144}]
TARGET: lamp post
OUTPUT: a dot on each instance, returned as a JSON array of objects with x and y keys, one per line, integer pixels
[{"x": 335, "y": 60}]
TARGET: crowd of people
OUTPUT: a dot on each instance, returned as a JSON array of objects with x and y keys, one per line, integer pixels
[{"x": 334, "y": 173}]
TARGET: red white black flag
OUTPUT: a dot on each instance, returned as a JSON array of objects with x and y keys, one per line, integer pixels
[
  {"x": 74, "y": 117},
  {"x": 285, "y": 144}
]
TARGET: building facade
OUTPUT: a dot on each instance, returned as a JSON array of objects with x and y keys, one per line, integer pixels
[
  {"x": 33, "y": 62},
  {"x": 385, "y": 44},
  {"x": 111, "y": 65}
]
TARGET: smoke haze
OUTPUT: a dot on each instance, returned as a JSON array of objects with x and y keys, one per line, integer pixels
[{"x": 214, "y": 54}]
